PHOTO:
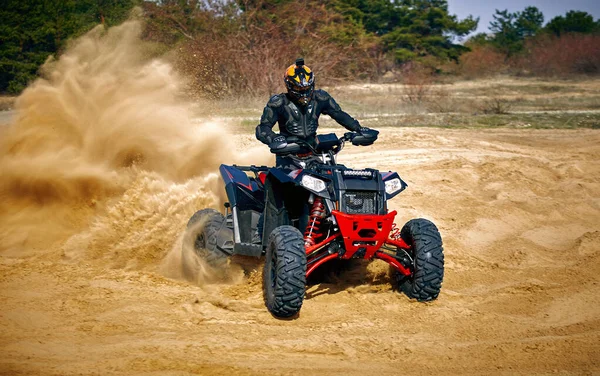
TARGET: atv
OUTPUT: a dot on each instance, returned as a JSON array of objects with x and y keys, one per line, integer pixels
[{"x": 311, "y": 215}]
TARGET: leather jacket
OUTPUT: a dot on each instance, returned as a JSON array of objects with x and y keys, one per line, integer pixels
[{"x": 300, "y": 121}]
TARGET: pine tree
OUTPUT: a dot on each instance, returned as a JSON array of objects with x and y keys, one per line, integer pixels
[
  {"x": 33, "y": 30},
  {"x": 411, "y": 29},
  {"x": 573, "y": 22},
  {"x": 511, "y": 29}
]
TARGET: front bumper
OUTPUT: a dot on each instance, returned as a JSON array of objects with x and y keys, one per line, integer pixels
[{"x": 363, "y": 234}]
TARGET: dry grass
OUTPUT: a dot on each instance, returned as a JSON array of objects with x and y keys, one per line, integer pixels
[
  {"x": 467, "y": 96},
  {"x": 499, "y": 102}
]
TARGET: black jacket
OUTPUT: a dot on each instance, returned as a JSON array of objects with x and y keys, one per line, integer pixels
[{"x": 300, "y": 121}]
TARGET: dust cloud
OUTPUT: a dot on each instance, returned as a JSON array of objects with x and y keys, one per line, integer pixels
[{"x": 104, "y": 160}]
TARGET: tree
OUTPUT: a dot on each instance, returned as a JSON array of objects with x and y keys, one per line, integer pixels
[
  {"x": 573, "y": 22},
  {"x": 529, "y": 22},
  {"x": 411, "y": 29},
  {"x": 505, "y": 34},
  {"x": 376, "y": 16},
  {"x": 511, "y": 29},
  {"x": 33, "y": 30}
]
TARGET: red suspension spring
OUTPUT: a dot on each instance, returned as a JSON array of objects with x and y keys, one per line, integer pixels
[
  {"x": 395, "y": 232},
  {"x": 312, "y": 234}
]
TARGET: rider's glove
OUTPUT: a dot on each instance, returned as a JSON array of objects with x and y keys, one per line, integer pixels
[
  {"x": 363, "y": 130},
  {"x": 278, "y": 142}
]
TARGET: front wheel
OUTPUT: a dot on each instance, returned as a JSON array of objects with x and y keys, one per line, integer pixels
[
  {"x": 427, "y": 255},
  {"x": 284, "y": 275}
]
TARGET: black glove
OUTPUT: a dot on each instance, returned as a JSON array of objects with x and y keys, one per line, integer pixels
[
  {"x": 363, "y": 130},
  {"x": 365, "y": 136},
  {"x": 278, "y": 142},
  {"x": 368, "y": 132}
]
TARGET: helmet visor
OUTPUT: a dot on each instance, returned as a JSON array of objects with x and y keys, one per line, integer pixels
[{"x": 302, "y": 92}]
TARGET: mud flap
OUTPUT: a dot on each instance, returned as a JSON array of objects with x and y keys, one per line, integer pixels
[
  {"x": 225, "y": 242},
  {"x": 275, "y": 212},
  {"x": 244, "y": 225}
]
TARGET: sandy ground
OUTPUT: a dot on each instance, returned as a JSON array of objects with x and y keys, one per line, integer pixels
[{"x": 519, "y": 211}]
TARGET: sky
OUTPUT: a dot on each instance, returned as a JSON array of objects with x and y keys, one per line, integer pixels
[{"x": 484, "y": 9}]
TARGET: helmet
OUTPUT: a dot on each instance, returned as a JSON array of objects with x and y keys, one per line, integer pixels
[{"x": 300, "y": 82}]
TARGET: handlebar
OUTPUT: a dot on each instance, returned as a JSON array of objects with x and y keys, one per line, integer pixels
[{"x": 298, "y": 146}]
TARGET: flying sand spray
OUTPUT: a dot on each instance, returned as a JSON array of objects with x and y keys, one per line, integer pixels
[{"x": 104, "y": 160}]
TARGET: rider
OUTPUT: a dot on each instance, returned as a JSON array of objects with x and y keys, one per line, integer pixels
[{"x": 297, "y": 113}]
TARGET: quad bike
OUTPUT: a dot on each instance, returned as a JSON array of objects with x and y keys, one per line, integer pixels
[{"x": 312, "y": 215}]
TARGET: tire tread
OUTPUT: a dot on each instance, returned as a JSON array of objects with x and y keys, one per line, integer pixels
[
  {"x": 428, "y": 253},
  {"x": 287, "y": 296}
]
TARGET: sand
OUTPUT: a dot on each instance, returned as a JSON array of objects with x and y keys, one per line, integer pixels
[{"x": 519, "y": 211}]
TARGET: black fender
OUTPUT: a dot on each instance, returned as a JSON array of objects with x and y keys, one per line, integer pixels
[
  {"x": 285, "y": 202},
  {"x": 242, "y": 192}
]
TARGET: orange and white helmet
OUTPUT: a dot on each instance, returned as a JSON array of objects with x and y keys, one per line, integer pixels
[{"x": 300, "y": 82}]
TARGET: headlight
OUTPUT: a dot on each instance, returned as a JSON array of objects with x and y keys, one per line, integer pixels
[
  {"x": 392, "y": 186},
  {"x": 313, "y": 184}
]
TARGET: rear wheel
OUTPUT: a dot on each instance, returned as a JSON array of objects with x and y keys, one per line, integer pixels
[
  {"x": 427, "y": 254},
  {"x": 284, "y": 275},
  {"x": 200, "y": 241}
]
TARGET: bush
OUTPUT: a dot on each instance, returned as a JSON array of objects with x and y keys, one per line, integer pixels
[
  {"x": 494, "y": 106},
  {"x": 249, "y": 55},
  {"x": 542, "y": 55},
  {"x": 482, "y": 60},
  {"x": 548, "y": 55},
  {"x": 417, "y": 85}
]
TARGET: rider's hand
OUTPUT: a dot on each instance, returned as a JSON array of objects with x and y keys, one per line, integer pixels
[
  {"x": 363, "y": 130},
  {"x": 278, "y": 142},
  {"x": 368, "y": 132}
]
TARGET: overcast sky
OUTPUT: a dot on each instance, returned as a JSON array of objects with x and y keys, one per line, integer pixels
[{"x": 484, "y": 9}]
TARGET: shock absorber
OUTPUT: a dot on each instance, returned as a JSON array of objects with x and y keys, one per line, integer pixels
[
  {"x": 395, "y": 232},
  {"x": 312, "y": 233}
]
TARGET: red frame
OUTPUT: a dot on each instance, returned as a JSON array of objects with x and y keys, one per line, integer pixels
[
  {"x": 361, "y": 231},
  {"x": 375, "y": 230}
]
